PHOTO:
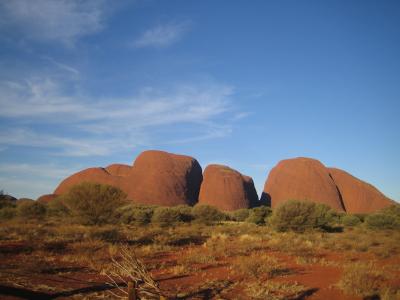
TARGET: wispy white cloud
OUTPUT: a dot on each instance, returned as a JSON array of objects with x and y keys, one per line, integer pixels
[
  {"x": 54, "y": 20},
  {"x": 103, "y": 126},
  {"x": 162, "y": 35}
]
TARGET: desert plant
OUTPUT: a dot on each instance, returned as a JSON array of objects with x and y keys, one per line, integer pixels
[
  {"x": 7, "y": 213},
  {"x": 256, "y": 265},
  {"x": 301, "y": 215},
  {"x": 382, "y": 221},
  {"x": 275, "y": 290},
  {"x": 93, "y": 203},
  {"x": 363, "y": 280},
  {"x": 207, "y": 214},
  {"x": 129, "y": 269},
  {"x": 31, "y": 210},
  {"x": 240, "y": 215},
  {"x": 259, "y": 215},
  {"x": 106, "y": 234},
  {"x": 350, "y": 220},
  {"x": 57, "y": 208},
  {"x": 165, "y": 216},
  {"x": 393, "y": 210},
  {"x": 134, "y": 214},
  {"x": 6, "y": 200}
]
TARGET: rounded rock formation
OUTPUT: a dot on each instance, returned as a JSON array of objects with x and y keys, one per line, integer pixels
[
  {"x": 227, "y": 189},
  {"x": 303, "y": 179},
  {"x": 95, "y": 175},
  {"x": 119, "y": 169},
  {"x": 46, "y": 198},
  {"x": 357, "y": 195},
  {"x": 162, "y": 178}
]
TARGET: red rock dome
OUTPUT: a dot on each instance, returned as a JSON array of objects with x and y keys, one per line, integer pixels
[
  {"x": 357, "y": 195},
  {"x": 46, "y": 198},
  {"x": 96, "y": 175},
  {"x": 227, "y": 189},
  {"x": 162, "y": 178},
  {"x": 302, "y": 179},
  {"x": 119, "y": 169}
]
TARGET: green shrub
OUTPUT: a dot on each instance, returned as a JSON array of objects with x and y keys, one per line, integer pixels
[
  {"x": 350, "y": 220},
  {"x": 57, "y": 208},
  {"x": 93, "y": 203},
  {"x": 259, "y": 215},
  {"x": 134, "y": 214},
  {"x": 6, "y": 200},
  {"x": 7, "y": 213},
  {"x": 393, "y": 210},
  {"x": 207, "y": 214},
  {"x": 31, "y": 210},
  {"x": 382, "y": 221},
  {"x": 301, "y": 215},
  {"x": 165, "y": 216},
  {"x": 240, "y": 215}
]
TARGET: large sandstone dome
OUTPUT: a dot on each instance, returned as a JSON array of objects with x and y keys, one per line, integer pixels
[
  {"x": 95, "y": 175},
  {"x": 357, "y": 195},
  {"x": 303, "y": 179},
  {"x": 162, "y": 178},
  {"x": 156, "y": 178},
  {"x": 227, "y": 189}
]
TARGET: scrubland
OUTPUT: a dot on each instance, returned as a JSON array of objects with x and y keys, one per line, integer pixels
[{"x": 61, "y": 251}]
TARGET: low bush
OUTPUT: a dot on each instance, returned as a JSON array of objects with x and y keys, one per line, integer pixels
[
  {"x": 106, "y": 234},
  {"x": 57, "y": 208},
  {"x": 134, "y": 214},
  {"x": 6, "y": 200},
  {"x": 363, "y": 280},
  {"x": 240, "y": 215},
  {"x": 259, "y": 215},
  {"x": 165, "y": 216},
  {"x": 31, "y": 210},
  {"x": 7, "y": 213},
  {"x": 301, "y": 215},
  {"x": 350, "y": 220},
  {"x": 207, "y": 214},
  {"x": 93, "y": 203},
  {"x": 382, "y": 221}
]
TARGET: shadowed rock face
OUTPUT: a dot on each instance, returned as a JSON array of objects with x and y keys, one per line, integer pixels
[
  {"x": 227, "y": 189},
  {"x": 302, "y": 179},
  {"x": 357, "y": 195},
  {"x": 119, "y": 170},
  {"x": 95, "y": 175},
  {"x": 162, "y": 178},
  {"x": 46, "y": 198}
]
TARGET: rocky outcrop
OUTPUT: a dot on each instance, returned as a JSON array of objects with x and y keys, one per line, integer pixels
[
  {"x": 357, "y": 195},
  {"x": 119, "y": 170},
  {"x": 162, "y": 178},
  {"x": 227, "y": 189},
  {"x": 156, "y": 178},
  {"x": 303, "y": 179},
  {"x": 95, "y": 175},
  {"x": 46, "y": 198}
]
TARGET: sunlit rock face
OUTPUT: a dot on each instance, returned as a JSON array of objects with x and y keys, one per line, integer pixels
[
  {"x": 303, "y": 179},
  {"x": 227, "y": 189},
  {"x": 357, "y": 195},
  {"x": 162, "y": 178}
]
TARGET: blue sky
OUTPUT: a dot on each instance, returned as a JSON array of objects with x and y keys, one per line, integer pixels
[{"x": 89, "y": 83}]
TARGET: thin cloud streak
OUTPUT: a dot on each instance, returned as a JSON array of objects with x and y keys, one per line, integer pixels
[
  {"x": 162, "y": 35},
  {"x": 63, "y": 21},
  {"x": 103, "y": 126}
]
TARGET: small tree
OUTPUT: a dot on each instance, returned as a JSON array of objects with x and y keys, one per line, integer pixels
[
  {"x": 259, "y": 215},
  {"x": 300, "y": 216},
  {"x": 31, "y": 210},
  {"x": 350, "y": 220},
  {"x": 207, "y": 214},
  {"x": 382, "y": 221},
  {"x": 240, "y": 215},
  {"x": 94, "y": 203}
]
